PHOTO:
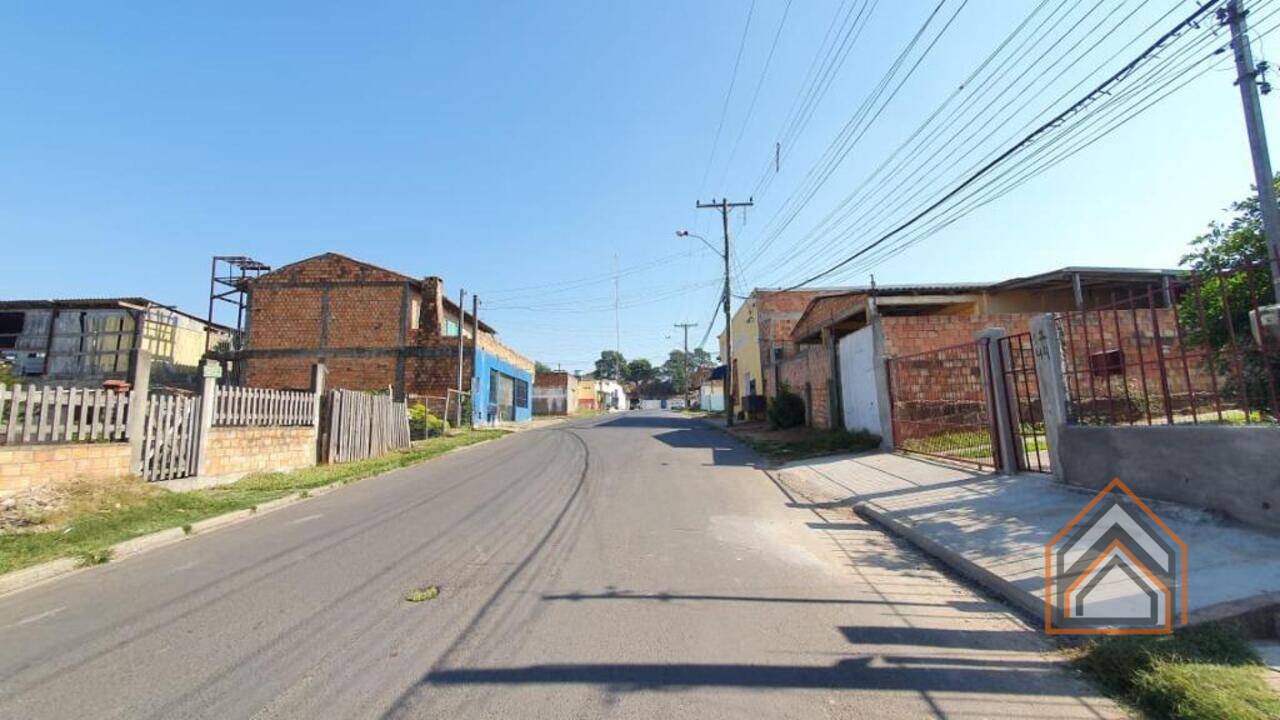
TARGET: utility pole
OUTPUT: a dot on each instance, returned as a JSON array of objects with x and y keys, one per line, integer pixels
[
  {"x": 1247, "y": 79},
  {"x": 475, "y": 353},
  {"x": 617, "y": 324},
  {"x": 685, "y": 327},
  {"x": 462, "y": 296},
  {"x": 724, "y": 206}
]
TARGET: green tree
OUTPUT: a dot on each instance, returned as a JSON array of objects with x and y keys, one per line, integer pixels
[
  {"x": 7, "y": 376},
  {"x": 541, "y": 368},
  {"x": 641, "y": 371},
  {"x": 611, "y": 365},
  {"x": 1232, "y": 270}
]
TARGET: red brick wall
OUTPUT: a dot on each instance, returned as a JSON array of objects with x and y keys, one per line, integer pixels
[
  {"x": 809, "y": 365},
  {"x": 283, "y": 317},
  {"x": 363, "y": 316},
  {"x": 367, "y": 311},
  {"x": 920, "y": 333},
  {"x": 776, "y": 314}
]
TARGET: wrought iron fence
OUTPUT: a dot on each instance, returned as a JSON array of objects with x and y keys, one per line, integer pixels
[{"x": 1183, "y": 352}]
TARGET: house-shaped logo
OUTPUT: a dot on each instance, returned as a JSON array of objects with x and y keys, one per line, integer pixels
[{"x": 1115, "y": 569}]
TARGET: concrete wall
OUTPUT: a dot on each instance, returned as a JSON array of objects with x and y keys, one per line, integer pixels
[
  {"x": 23, "y": 467},
  {"x": 859, "y": 396},
  {"x": 1231, "y": 469},
  {"x": 711, "y": 396},
  {"x": 260, "y": 449},
  {"x": 483, "y": 393}
]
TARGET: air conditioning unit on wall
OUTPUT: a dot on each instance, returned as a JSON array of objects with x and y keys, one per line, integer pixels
[{"x": 1266, "y": 320}]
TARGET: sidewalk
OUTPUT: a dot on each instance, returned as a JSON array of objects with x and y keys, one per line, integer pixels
[{"x": 993, "y": 528}]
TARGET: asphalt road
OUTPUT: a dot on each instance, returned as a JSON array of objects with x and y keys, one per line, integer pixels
[{"x": 636, "y": 565}]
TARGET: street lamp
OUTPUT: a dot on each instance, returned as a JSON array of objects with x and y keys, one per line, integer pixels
[{"x": 686, "y": 233}]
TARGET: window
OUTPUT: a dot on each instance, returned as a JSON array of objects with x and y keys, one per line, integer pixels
[
  {"x": 522, "y": 393},
  {"x": 10, "y": 328},
  {"x": 415, "y": 314},
  {"x": 450, "y": 327}
]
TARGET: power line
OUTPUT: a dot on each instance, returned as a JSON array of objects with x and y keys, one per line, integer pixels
[
  {"x": 756, "y": 93},
  {"x": 724, "y": 110},
  {"x": 892, "y": 196},
  {"x": 1030, "y": 138}
]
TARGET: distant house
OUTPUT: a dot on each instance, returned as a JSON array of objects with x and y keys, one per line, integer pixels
[
  {"x": 377, "y": 329},
  {"x": 711, "y": 390},
  {"x": 555, "y": 393},
  {"x": 601, "y": 394},
  {"x": 87, "y": 341}
]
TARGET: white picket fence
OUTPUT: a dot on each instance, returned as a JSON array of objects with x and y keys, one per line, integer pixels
[
  {"x": 39, "y": 414},
  {"x": 243, "y": 406},
  {"x": 363, "y": 426},
  {"x": 170, "y": 437}
]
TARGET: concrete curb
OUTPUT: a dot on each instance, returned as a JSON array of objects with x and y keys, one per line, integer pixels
[
  {"x": 1019, "y": 598},
  {"x": 28, "y": 577}
]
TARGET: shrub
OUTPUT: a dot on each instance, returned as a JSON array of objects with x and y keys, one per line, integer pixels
[
  {"x": 786, "y": 410},
  {"x": 418, "y": 420},
  {"x": 7, "y": 375}
]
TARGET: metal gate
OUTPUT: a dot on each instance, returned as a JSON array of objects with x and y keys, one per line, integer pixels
[
  {"x": 1022, "y": 396},
  {"x": 939, "y": 407},
  {"x": 170, "y": 436}
]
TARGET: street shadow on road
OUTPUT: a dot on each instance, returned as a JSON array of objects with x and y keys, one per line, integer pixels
[{"x": 923, "y": 674}]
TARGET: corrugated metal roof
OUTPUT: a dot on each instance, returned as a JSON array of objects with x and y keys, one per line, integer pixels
[{"x": 100, "y": 304}]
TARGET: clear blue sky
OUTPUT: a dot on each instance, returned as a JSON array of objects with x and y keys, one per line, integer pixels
[{"x": 509, "y": 145}]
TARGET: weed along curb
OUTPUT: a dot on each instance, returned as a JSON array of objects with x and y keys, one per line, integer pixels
[{"x": 27, "y": 577}]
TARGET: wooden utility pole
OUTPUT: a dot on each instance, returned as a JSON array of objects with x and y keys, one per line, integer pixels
[
  {"x": 685, "y": 327},
  {"x": 1247, "y": 78},
  {"x": 724, "y": 206}
]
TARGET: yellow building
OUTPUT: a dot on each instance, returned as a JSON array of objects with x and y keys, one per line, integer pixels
[{"x": 744, "y": 361}]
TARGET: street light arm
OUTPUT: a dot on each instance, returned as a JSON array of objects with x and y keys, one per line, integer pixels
[{"x": 686, "y": 233}]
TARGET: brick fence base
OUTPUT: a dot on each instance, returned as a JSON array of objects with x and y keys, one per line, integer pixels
[{"x": 25, "y": 467}]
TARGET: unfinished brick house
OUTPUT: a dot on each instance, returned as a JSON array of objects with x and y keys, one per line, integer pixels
[
  {"x": 761, "y": 330},
  {"x": 836, "y": 350},
  {"x": 376, "y": 329}
]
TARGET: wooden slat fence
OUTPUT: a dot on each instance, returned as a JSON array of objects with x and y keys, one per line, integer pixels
[
  {"x": 243, "y": 406},
  {"x": 363, "y": 426},
  {"x": 170, "y": 437},
  {"x": 41, "y": 414}
]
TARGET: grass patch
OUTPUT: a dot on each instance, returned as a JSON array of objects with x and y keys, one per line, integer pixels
[
  {"x": 430, "y": 592},
  {"x": 100, "y": 556},
  {"x": 1199, "y": 673},
  {"x": 101, "y": 515},
  {"x": 818, "y": 442}
]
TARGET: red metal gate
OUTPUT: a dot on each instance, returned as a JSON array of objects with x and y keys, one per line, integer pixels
[
  {"x": 939, "y": 406},
  {"x": 1022, "y": 395}
]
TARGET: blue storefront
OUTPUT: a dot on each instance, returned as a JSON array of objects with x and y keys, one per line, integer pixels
[{"x": 503, "y": 391}]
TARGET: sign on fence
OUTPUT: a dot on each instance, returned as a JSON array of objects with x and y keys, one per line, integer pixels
[{"x": 363, "y": 426}]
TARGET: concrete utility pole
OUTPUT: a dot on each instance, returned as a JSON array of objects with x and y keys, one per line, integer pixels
[
  {"x": 724, "y": 206},
  {"x": 462, "y": 296},
  {"x": 685, "y": 327},
  {"x": 475, "y": 353},
  {"x": 1247, "y": 79},
  {"x": 617, "y": 323}
]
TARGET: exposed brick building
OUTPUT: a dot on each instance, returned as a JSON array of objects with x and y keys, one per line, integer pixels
[
  {"x": 897, "y": 321},
  {"x": 376, "y": 329}
]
